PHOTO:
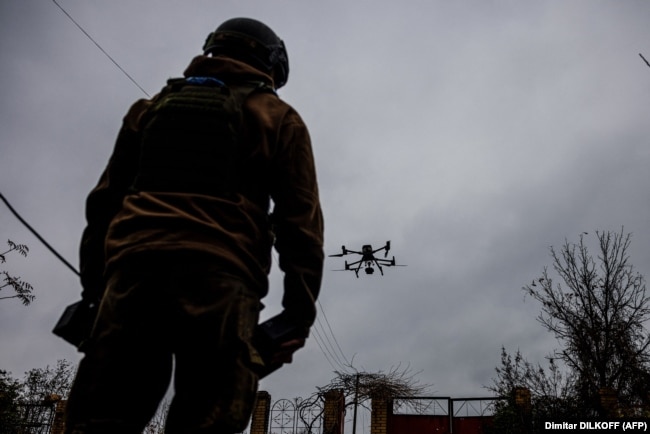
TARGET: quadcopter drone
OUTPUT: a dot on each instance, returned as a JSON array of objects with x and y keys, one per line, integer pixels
[{"x": 368, "y": 259}]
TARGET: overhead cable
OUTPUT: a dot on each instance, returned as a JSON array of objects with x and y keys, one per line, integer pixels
[
  {"x": 101, "y": 49},
  {"x": 37, "y": 235},
  {"x": 644, "y": 59},
  {"x": 347, "y": 362},
  {"x": 330, "y": 348},
  {"x": 318, "y": 340}
]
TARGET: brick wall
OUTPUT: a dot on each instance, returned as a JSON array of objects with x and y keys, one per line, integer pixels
[{"x": 379, "y": 416}]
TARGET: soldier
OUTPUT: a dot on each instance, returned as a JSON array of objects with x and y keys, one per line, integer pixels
[{"x": 177, "y": 247}]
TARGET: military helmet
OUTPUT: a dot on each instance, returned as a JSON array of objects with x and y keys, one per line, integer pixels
[{"x": 252, "y": 42}]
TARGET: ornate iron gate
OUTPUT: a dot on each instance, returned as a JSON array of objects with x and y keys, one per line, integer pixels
[{"x": 296, "y": 417}]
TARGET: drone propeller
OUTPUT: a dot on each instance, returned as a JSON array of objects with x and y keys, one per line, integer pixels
[{"x": 344, "y": 252}]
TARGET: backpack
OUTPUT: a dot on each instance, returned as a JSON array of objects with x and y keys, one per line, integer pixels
[{"x": 190, "y": 139}]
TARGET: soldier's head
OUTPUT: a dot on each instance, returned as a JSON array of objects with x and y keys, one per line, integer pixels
[{"x": 252, "y": 42}]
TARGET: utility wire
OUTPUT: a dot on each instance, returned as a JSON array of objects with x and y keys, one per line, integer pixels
[
  {"x": 329, "y": 352},
  {"x": 41, "y": 239},
  {"x": 339, "y": 355},
  {"x": 332, "y": 333},
  {"x": 644, "y": 59},
  {"x": 330, "y": 347},
  {"x": 318, "y": 342},
  {"x": 101, "y": 49},
  {"x": 325, "y": 348}
]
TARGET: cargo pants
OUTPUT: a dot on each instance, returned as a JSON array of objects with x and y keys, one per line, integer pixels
[{"x": 189, "y": 321}]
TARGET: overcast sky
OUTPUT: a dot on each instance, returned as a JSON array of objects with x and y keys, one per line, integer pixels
[{"x": 472, "y": 134}]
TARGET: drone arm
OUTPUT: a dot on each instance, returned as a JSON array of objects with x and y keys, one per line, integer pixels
[
  {"x": 354, "y": 263},
  {"x": 379, "y": 266}
]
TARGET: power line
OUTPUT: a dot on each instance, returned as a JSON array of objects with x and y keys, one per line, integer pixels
[
  {"x": 322, "y": 342},
  {"x": 644, "y": 59},
  {"x": 101, "y": 49},
  {"x": 329, "y": 352},
  {"x": 318, "y": 342},
  {"x": 329, "y": 346},
  {"x": 332, "y": 333},
  {"x": 41, "y": 239}
]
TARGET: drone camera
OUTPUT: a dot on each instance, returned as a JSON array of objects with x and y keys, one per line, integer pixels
[{"x": 370, "y": 270}]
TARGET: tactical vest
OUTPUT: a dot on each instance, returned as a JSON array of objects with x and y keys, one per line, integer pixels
[{"x": 190, "y": 140}]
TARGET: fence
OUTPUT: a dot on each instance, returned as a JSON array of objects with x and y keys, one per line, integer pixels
[
  {"x": 296, "y": 417},
  {"x": 435, "y": 414},
  {"x": 322, "y": 416},
  {"x": 34, "y": 418}
]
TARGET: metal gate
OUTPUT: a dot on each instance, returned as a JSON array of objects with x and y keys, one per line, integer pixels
[
  {"x": 441, "y": 414},
  {"x": 296, "y": 417},
  {"x": 34, "y": 418}
]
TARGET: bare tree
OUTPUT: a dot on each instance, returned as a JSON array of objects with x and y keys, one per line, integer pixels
[
  {"x": 369, "y": 385},
  {"x": 598, "y": 316},
  {"x": 359, "y": 388},
  {"x": 550, "y": 394},
  {"x": 22, "y": 289}
]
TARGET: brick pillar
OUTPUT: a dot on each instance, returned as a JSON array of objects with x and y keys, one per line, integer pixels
[
  {"x": 608, "y": 401},
  {"x": 333, "y": 413},
  {"x": 261, "y": 411},
  {"x": 381, "y": 410},
  {"x": 523, "y": 399},
  {"x": 58, "y": 423},
  {"x": 523, "y": 408}
]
